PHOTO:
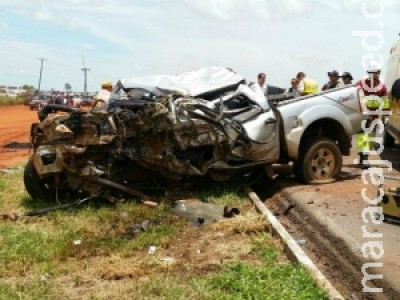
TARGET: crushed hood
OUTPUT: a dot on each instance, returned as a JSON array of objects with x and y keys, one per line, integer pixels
[{"x": 193, "y": 84}]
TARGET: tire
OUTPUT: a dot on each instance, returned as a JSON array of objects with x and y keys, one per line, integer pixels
[
  {"x": 35, "y": 186},
  {"x": 388, "y": 140},
  {"x": 320, "y": 161}
]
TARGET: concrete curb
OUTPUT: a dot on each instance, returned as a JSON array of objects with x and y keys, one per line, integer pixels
[{"x": 292, "y": 249}]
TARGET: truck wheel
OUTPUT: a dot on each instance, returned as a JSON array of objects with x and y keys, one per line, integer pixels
[
  {"x": 320, "y": 161},
  {"x": 35, "y": 186},
  {"x": 388, "y": 140}
]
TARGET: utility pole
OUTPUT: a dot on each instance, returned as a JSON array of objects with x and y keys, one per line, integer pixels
[
  {"x": 40, "y": 74},
  {"x": 85, "y": 70}
]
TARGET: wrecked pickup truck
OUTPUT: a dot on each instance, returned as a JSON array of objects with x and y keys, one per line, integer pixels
[{"x": 167, "y": 128}]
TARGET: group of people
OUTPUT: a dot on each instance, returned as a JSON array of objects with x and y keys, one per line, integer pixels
[
  {"x": 302, "y": 85},
  {"x": 60, "y": 99},
  {"x": 370, "y": 85}
]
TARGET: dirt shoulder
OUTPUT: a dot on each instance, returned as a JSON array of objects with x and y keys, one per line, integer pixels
[{"x": 15, "y": 123}]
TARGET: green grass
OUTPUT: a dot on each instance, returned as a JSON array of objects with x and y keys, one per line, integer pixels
[
  {"x": 39, "y": 260},
  {"x": 25, "y": 246},
  {"x": 102, "y": 229},
  {"x": 6, "y": 100},
  {"x": 269, "y": 281},
  {"x": 273, "y": 279},
  {"x": 2, "y": 185},
  {"x": 224, "y": 193},
  {"x": 36, "y": 290}
]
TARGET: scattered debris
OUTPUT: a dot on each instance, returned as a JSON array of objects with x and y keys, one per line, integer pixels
[
  {"x": 77, "y": 242},
  {"x": 168, "y": 260},
  {"x": 43, "y": 211},
  {"x": 123, "y": 215},
  {"x": 149, "y": 203},
  {"x": 229, "y": 213},
  {"x": 144, "y": 226},
  {"x": 152, "y": 249},
  {"x": 12, "y": 216},
  {"x": 200, "y": 220},
  {"x": 44, "y": 277},
  {"x": 301, "y": 242},
  {"x": 201, "y": 213},
  {"x": 289, "y": 206}
]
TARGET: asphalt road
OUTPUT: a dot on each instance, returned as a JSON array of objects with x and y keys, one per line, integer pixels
[{"x": 329, "y": 218}]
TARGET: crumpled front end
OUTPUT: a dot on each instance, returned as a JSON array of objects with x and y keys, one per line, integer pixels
[{"x": 175, "y": 136}]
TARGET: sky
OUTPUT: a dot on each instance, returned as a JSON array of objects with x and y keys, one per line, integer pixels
[{"x": 132, "y": 38}]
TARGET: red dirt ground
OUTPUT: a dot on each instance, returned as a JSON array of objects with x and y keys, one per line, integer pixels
[{"x": 15, "y": 124}]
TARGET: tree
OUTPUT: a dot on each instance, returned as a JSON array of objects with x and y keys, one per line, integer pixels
[{"x": 28, "y": 87}]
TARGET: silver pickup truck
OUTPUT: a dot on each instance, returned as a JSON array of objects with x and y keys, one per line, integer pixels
[
  {"x": 316, "y": 131},
  {"x": 168, "y": 128}
]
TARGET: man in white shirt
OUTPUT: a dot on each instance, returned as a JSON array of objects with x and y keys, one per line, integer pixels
[
  {"x": 261, "y": 83},
  {"x": 104, "y": 94}
]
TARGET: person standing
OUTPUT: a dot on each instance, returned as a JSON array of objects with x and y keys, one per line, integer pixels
[
  {"x": 261, "y": 83},
  {"x": 333, "y": 81},
  {"x": 347, "y": 78},
  {"x": 59, "y": 99},
  {"x": 293, "y": 88},
  {"x": 306, "y": 86},
  {"x": 371, "y": 86},
  {"x": 104, "y": 94}
]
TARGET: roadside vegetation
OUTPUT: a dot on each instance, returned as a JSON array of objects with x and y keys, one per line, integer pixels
[
  {"x": 96, "y": 251},
  {"x": 7, "y": 100}
]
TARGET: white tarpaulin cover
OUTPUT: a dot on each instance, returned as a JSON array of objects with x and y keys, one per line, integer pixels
[{"x": 189, "y": 84}]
